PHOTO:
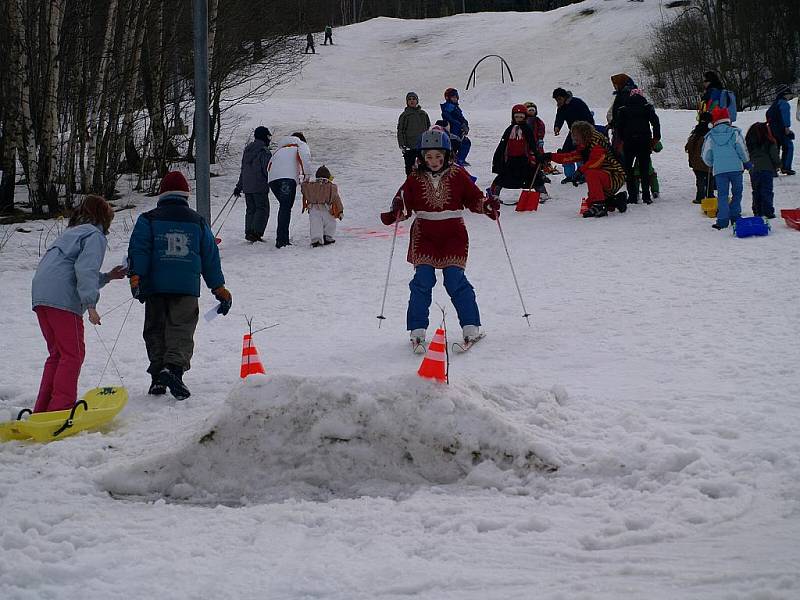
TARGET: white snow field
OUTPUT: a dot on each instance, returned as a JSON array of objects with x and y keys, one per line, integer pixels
[{"x": 659, "y": 377}]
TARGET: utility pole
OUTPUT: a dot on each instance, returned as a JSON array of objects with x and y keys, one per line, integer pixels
[
  {"x": 463, "y": 6},
  {"x": 202, "y": 169}
]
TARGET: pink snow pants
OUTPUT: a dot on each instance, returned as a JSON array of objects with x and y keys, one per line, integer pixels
[{"x": 63, "y": 332}]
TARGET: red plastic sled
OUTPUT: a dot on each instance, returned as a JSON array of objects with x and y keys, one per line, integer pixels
[{"x": 792, "y": 217}]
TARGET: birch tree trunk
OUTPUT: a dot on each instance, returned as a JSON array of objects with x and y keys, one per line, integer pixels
[{"x": 49, "y": 137}]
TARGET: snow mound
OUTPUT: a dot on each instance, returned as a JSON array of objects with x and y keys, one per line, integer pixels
[{"x": 281, "y": 437}]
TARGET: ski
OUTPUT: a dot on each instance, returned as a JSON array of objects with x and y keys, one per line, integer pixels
[{"x": 464, "y": 347}]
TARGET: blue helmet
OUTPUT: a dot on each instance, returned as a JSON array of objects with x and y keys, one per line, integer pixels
[{"x": 434, "y": 139}]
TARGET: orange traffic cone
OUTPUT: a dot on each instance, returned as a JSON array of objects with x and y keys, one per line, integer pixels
[
  {"x": 434, "y": 365},
  {"x": 251, "y": 362}
]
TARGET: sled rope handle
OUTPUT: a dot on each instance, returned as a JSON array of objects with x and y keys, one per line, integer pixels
[
  {"x": 71, "y": 419},
  {"x": 22, "y": 412},
  {"x": 113, "y": 348}
]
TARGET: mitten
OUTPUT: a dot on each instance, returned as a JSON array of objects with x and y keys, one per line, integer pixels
[
  {"x": 748, "y": 165},
  {"x": 491, "y": 208},
  {"x": 397, "y": 205},
  {"x": 135, "y": 281},
  {"x": 224, "y": 298}
]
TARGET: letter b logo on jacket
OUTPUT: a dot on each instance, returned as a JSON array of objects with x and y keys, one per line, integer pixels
[{"x": 177, "y": 244}]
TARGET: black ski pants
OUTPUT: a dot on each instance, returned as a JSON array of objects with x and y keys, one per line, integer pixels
[{"x": 639, "y": 151}]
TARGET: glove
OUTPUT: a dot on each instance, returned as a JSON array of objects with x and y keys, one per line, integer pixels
[
  {"x": 656, "y": 145},
  {"x": 397, "y": 205},
  {"x": 237, "y": 191},
  {"x": 223, "y": 296},
  {"x": 135, "y": 281},
  {"x": 790, "y": 135},
  {"x": 491, "y": 208},
  {"x": 748, "y": 165}
]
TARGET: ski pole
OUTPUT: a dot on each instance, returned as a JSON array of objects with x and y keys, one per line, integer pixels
[
  {"x": 525, "y": 314},
  {"x": 380, "y": 317},
  {"x": 221, "y": 210},
  {"x": 230, "y": 210}
]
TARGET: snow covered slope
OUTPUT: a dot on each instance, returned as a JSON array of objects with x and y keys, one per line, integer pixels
[{"x": 659, "y": 376}]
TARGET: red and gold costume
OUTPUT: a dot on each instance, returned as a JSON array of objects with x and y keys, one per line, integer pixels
[
  {"x": 603, "y": 172},
  {"x": 438, "y": 235}
]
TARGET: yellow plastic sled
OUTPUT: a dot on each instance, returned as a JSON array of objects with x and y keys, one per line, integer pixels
[{"x": 97, "y": 408}]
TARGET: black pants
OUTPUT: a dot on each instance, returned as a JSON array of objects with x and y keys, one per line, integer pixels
[
  {"x": 257, "y": 213},
  {"x": 638, "y": 151},
  {"x": 410, "y": 157},
  {"x": 284, "y": 190},
  {"x": 169, "y": 324},
  {"x": 310, "y": 47},
  {"x": 328, "y": 38},
  {"x": 705, "y": 185}
]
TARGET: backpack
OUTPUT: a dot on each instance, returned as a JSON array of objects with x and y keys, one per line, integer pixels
[{"x": 727, "y": 99}]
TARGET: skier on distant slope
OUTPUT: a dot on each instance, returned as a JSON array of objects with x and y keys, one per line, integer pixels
[{"x": 438, "y": 192}]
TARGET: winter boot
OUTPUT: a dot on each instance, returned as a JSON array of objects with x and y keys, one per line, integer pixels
[
  {"x": 172, "y": 378},
  {"x": 621, "y": 201},
  {"x": 316, "y": 244},
  {"x": 471, "y": 333},
  {"x": 418, "y": 340},
  {"x": 329, "y": 240},
  {"x": 156, "y": 387},
  {"x": 598, "y": 209}
]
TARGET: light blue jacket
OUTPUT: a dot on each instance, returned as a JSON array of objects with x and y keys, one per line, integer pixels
[
  {"x": 724, "y": 149},
  {"x": 68, "y": 276}
]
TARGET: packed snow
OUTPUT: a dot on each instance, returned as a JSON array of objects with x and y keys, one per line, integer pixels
[{"x": 639, "y": 440}]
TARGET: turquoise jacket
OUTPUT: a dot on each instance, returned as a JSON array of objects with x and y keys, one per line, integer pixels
[{"x": 724, "y": 149}]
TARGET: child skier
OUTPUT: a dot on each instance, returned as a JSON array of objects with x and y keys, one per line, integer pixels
[
  {"x": 514, "y": 159},
  {"x": 724, "y": 150},
  {"x": 702, "y": 173},
  {"x": 603, "y": 172},
  {"x": 459, "y": 127},
  {"x": 438, "y": 192},
  {"x": 536, "y": 124},
  {"x": 66, "y": 284},
  {"x": 763, "y": 150},
  {"x": 170, "y": 248},
  {"x": 321, "y": 200}
]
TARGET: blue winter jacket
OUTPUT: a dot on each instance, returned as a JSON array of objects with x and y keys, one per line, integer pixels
[
  {"x": 779, "y": 117},
  {"x": 68, "y": 276},
  {"x": 170, "y": 247},
  {"x": 451, "y": 113},
  {"x": 724, "y": 149}
]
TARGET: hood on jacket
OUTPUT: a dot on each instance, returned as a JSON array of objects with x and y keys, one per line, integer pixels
[
  {"x": 290, "y": 140},
  {"x": 172, "y": 198},
  {"x": 252, "y": 150},
  {"x": 414, "y": 109},
  {"x": 723, "y": 133},
  {"x": 622, "y": 81}
]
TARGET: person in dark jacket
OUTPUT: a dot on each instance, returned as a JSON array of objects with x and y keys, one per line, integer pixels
[
  {"x": 763, "y": 152},
  {"x": 570, "y": 111},
  {"x": 702, "y": 172},
  {"x": 328, "y": 35},
  {"x": 623, "y": 85},
  {"x": 633, "y": 124},
  {"x": 310, "y": 44},
  {"x": 170, "y": 248},
  {"x": 459, "y": 126},
  {"x": 779, "y": 117},
  {"x": 712, "y": 93},
  {"x": 253, "y": 181},
  {"x": 514, "y": 159},
  {"x": 413, "y": 122}
]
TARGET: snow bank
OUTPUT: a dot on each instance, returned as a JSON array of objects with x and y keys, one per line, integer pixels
[{"x": 281, "y": 437}]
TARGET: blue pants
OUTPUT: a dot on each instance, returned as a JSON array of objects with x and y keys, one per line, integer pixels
[
  {"x": 284, "y": 190},
  {"x": 458, "y": 288},
  {"x": 762, "y": 193},
  {"x": 463, "y": 150},
  {"x": 728, "y": 211},
  {"x": 570, "y": 168},
  {"x": 787, "y": 154}
]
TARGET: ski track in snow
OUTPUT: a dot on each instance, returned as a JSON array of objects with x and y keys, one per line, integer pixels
[{"x": 659, "y": 376}]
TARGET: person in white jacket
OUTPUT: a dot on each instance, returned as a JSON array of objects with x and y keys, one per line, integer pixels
[{"x": 289, "y": 166}]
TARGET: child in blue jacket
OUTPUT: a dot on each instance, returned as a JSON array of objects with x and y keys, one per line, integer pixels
[
  {"x": 67, "y": 284},
  {"x": 170, "y": 248},
  {"x": 459, "y": 127},
  {"x": 725, "y": 151}
]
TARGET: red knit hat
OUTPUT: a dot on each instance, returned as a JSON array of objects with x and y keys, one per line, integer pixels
[
  {"x": 720, "y": 115},
  {"x": 174, "y": 183},
  {"x": 519, "y": 109}
]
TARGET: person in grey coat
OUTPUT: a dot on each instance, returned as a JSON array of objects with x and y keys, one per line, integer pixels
[
  {"x": 413, "y": 122},
  {"x": 253, "y": 181}
]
